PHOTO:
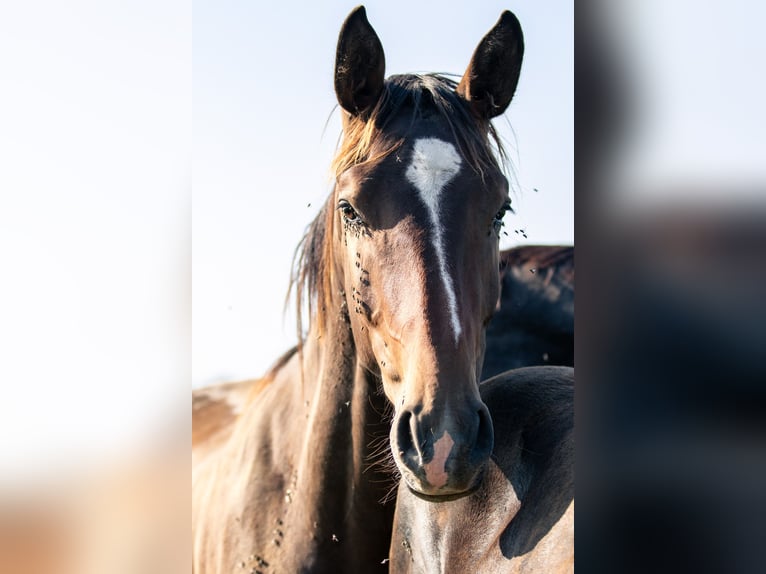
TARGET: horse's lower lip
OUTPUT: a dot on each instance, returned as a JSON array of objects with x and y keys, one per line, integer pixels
[
  {"x": 443, "y": 497},
  {"x": 450, "y": 495}
]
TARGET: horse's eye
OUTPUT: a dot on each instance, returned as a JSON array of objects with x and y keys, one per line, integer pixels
[
  {"x": 349, "y": 213},
  {"x": 497, "y": 222}
]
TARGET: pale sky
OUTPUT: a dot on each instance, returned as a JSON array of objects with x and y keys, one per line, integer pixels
[{"x": 262, "y": 94}]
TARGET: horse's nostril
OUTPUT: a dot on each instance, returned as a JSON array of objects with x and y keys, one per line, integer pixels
[
  {"x": 404, "y": 440},
  {"x": 443, "y": 452}
]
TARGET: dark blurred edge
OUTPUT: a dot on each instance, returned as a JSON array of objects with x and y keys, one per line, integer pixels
[{"x": 669, "y": 349}]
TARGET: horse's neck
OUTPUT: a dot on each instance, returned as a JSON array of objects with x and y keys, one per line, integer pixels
[
  {"x": 303, "y": 454},
  {"x": 345, "y": 425},
  {"x": 293, "y": 486}
]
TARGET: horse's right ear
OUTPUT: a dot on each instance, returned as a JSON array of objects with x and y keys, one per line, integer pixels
[{"x": 360, "y": 65}]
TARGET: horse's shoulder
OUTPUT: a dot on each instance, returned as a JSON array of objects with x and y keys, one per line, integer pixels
[{"x": 533, "y": 416}]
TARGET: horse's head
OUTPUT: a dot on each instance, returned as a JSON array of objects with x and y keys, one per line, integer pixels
[{"x": 415, "y": 218}]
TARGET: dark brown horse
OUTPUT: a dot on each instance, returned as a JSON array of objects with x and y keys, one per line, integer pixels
[
  {"x": 534, "y": 322},
  {"x": 521, "y": 519},
  {"x": 400, "y": 269}
]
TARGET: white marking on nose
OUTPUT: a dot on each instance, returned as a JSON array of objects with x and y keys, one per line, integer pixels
[
  {"x": 433, "y": 165},
  {"x": 435, "y": 473}
]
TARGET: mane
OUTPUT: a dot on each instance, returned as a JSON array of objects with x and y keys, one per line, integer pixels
[
  {"x": 417, "y": 94},
  {"x": 365, "y": 139}
]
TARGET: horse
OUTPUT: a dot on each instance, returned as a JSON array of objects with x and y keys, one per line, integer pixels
[
  {"x": 521, "y": 518},
  {"x": 534, "y": 321},
  {"x": 400, "y": 276}
]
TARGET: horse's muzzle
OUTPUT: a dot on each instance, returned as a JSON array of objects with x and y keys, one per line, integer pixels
[{"x": 442, "y": 455}]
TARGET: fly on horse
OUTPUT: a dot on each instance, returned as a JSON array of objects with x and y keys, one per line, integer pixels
[{"x": 400, "y": 272}]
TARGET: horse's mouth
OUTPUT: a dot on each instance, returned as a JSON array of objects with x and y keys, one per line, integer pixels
[{"x": 450, "y": 495}]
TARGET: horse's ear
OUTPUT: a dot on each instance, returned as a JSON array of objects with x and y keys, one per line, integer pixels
[
  {"x": 490, "y": 80},
  {"x": 360, "y": 65}
]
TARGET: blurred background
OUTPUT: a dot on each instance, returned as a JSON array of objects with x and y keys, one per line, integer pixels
[
  {"x": 95, "y": 195},
  {"x": 671, "y": 330},
  {"x": 95, "y": 294}
]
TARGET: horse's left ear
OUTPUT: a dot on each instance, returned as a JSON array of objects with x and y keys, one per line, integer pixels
[
  {"x": 360, "y": 64},
  {"x": 490, "y": 80}
]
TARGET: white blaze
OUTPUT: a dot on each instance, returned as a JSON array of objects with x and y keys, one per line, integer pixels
[
  {"x": 436, "y": 475},
  {"x": 434, "y": 164}
]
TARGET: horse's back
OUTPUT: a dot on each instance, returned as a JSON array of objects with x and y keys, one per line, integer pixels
[
  {"x": 215, "y": 408},
  {"x": 534, "y": 321}
]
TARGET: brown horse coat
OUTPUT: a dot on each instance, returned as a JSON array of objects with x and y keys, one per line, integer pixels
[
  {"x": 521, "y": 519},
  {"x": 534, "y": 322},
  {"x": 400, "y": 270}
]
